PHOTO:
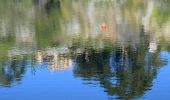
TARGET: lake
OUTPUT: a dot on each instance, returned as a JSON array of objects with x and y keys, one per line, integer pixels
[{"x": 84, "y": 49}]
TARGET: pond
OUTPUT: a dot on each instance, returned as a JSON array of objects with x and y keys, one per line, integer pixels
[{"x": 84, "y": 49}]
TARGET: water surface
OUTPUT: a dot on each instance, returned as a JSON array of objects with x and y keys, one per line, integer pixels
[{"x": 60, "y": 50}]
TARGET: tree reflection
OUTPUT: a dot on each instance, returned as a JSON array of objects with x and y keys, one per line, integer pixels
[
  {"x": 11, "y": 72},
  {"x": 126, "y": 71}
]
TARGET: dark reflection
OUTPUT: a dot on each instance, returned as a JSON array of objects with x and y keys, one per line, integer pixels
[
  {"x": 48, "y": 5},
  {"x": 125, "y": 71},
  {"x": 52, "y": 4}
]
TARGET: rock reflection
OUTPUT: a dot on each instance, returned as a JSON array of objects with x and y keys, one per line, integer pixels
[{"x": 56, "y": 59}]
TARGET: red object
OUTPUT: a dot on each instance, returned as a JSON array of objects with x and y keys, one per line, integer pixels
[{"x": 103, "y": 26}]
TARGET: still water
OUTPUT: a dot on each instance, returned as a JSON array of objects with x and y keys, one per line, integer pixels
[{"x": 84, "y": 49}]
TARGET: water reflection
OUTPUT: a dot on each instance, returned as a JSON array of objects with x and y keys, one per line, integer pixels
[
  {"x": 123, "y": 58},
  {"x": 125, "y": 71},
  {"x": 11, "y": 72},
  {"x": 55, "y": 58}
]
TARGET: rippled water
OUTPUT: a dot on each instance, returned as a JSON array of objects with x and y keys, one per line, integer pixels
[{"x": 84, "y": 49}]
